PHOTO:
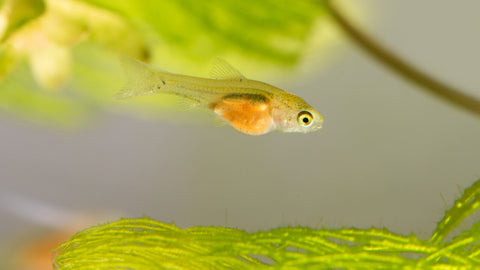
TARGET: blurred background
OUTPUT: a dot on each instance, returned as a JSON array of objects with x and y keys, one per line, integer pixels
[{"x": 389, "y": 155}]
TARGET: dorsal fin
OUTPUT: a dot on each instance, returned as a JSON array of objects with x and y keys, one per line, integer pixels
[{"x": 221, "y": 70}]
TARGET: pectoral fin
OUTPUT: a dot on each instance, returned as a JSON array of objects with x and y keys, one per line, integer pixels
[{"x": 247, "y": 113}]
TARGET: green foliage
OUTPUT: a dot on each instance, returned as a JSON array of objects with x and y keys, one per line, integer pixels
[
  {"x": 19, "y": 12},
  {"x": 273, "y": 30},
  {"x": 147, "y": 244},
  {"x": 47, "y": 39},
  {"x": 463, "y": 208},
  {"x": 22, "y": 96}
]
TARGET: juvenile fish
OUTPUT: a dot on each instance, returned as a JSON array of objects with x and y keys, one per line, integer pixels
[{"x": 251, "y": 107}]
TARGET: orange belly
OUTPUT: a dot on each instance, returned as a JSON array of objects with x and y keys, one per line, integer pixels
[{"x": 247, "y": 116}]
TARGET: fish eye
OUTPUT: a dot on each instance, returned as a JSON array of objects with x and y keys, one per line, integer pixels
[{"x": 305, "y": 118}]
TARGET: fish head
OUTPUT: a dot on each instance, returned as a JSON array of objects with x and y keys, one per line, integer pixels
[{"x": 293, "y": 114}]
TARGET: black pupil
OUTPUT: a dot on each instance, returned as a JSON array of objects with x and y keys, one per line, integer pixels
[{"x": 305, "y": 117}]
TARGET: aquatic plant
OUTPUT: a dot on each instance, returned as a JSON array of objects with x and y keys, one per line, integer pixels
[{"x": 148, "y": 244}]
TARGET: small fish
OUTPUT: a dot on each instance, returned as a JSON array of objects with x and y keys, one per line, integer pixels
[{"x": 251, "y": 107}]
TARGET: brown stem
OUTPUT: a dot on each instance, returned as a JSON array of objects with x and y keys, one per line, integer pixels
[{"x": 401, "y": 67}]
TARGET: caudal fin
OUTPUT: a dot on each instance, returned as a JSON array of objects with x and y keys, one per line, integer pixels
[{"x": 141, "y": 79}]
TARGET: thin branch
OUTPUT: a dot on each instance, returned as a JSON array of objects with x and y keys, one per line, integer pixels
[{"x": 401, "y": 67}]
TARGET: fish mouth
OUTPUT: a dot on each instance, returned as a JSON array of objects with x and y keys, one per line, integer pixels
[
  {"x": 312, "y": 129},
  {"x": 318, "y": 125}
]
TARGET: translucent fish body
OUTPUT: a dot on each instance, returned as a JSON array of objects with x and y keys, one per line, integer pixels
[{"x": 251, "y": 107}]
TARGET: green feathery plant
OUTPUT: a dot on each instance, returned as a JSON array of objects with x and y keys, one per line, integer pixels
[{"x": 145, "y": 244}]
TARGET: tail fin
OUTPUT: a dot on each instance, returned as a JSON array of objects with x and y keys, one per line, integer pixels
[{"x": 141, "y": 79}]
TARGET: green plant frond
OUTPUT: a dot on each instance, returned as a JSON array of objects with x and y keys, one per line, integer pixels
[
  {"x": 271, "y": 30},
  {"x": 20, "y": 95},
  {"x": 15, "y": 13},
  {"x": 148, "y": 244},
  {"x": 463, "y": 207}
]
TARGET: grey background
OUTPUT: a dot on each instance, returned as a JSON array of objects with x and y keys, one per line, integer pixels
[{"x": 386, "y": 156}]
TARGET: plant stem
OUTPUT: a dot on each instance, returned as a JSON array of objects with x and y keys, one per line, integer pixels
[{"x": 402, "y": 67}]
